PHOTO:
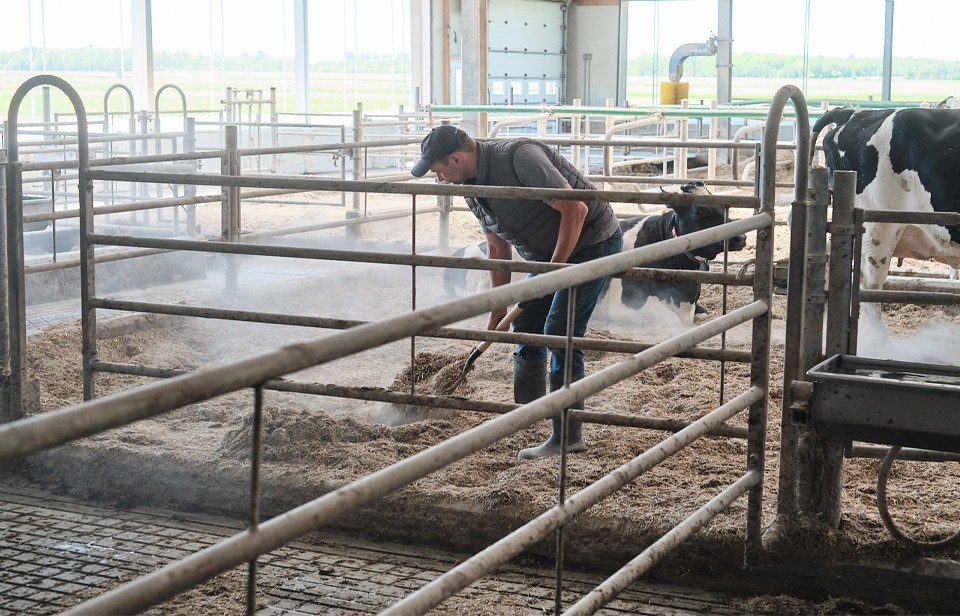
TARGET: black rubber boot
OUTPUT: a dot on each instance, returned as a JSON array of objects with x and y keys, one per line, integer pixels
[
  {"x": 529, "y": 379},
  {"x": 551, "y": 447}
]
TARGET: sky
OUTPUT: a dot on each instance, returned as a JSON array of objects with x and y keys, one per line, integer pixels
[{"x": 837, "y": 27}]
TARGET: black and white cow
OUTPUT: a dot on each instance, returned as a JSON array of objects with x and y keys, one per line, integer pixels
[
  {"x": 462, "y": 282},
  {"x": 906, "y": 160},
  {"x": 676, "y": 221}
]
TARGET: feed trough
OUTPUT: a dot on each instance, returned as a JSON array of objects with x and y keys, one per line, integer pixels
[{"x": 887, "y": 402}]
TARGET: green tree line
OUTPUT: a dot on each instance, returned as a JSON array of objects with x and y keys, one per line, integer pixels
[
  {"x": 103, "y": 59},
  {"x": 791, "y": 66},
  {"x": 745, "y": 64}
]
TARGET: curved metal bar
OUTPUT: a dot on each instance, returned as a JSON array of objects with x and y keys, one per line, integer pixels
[
  {"x": 791, "y": 361},
  {"x": 87, "y": 312},
  {"x": 156, "y": 103},
  {"x": 106, "y": 96}
]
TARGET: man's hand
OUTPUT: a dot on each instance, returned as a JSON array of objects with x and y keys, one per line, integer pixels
[{"x": 493, "y": 320}]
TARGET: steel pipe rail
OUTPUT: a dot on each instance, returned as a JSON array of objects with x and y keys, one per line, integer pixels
[
  {"x": 610, "y": 588},
  {"x": 536, "y": 530},
  {"x": 378, "y": 394},
  {"x": 58, "y": 427},
  {"x": 660, "y": 250},
  {"x": 916, "y": 218},
  {"x": 927, "y": 298},
  {"x": 241, "y": 548},
  {"x": 275, "y": 318},
  {"x": 424, "y": 188},
  {"x": 393, "y": 258}
]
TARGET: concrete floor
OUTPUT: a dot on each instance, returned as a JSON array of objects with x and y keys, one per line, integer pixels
[{"x": 57, "y": 551}]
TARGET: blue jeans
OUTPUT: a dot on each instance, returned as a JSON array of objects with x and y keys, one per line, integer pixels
[{"x": 548, "y": 314}]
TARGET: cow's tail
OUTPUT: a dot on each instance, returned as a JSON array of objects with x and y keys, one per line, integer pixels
[{"x": 838, "y": 116}]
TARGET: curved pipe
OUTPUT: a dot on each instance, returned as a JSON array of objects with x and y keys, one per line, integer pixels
[
  {"x": 690, "y": 49},
  {"x": 156, "y": 103},
  {"x": 87, "y": 312},
  {"x": 619, "y": 128},
  {"x": 106, "y": 96},
  {"x": 734, "y": 152},
  {"x": 518, "y": 122}
]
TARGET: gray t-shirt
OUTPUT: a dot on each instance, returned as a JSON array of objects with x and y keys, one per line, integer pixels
[{"x": 532, "y": 225}]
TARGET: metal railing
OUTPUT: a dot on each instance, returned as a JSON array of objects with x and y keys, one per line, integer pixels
[{"x": 40, "y": 432}]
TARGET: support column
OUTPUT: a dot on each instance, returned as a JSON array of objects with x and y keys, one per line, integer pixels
[
  {"x": 142, "y": 29},
  {"x": 887, "y": 51},
  {"x": 474, "y": 23},
  {"x": 301, "y": 56}
]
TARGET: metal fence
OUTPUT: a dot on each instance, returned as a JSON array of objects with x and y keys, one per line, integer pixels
[{"x": 40, "y": 432}]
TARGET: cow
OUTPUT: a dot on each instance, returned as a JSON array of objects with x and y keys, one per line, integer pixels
[
  {"x": 461, "y": 282},
  {"x": 678, "y": 220},
  {"x": 907, "y": 160}
]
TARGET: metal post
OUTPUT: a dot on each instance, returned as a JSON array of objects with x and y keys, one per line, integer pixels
[
  {"x": 353, "y": 230},
  {"x": 841, "y": 257},
  {"x": 230, "y": 206},
  {"x": 820, "y": 460},
  {"x": 190, "y": 190},
  {"x": 763, "y": 291},
  {"x": 274, "y": 137},
  {"x": 12, "y": 306},
  {"x": 255, "y": 458}
]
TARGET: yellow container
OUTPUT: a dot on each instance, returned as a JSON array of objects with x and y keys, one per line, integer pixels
[{"x": 671, "y": 92}]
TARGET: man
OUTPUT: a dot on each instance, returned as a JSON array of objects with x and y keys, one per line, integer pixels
[{"x": 557, "y": 231}]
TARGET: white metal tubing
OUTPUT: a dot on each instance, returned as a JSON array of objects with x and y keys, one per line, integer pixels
[
  {"x": 518, "y": 122},
  {"x": 537, "y": 529},
  {"x": 236, "y": 550},
  {"x": 632, "y": 571},
  {"x": 424, "y": 188},
  {"x": 58, "y": 427},
  {"x": 619, "y": 128}
]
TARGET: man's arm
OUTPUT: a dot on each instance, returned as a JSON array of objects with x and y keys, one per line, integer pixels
[
  {"x": 498, "y": 248},
  {"x": 572, "y": 215}
]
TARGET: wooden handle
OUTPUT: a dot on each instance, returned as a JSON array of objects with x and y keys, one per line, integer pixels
[{"x": 503, "y": 325}]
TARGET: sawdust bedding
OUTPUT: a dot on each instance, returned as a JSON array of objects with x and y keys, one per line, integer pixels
[{"x": 342, "y": 440}]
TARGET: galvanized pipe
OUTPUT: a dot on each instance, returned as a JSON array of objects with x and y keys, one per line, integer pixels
[
  {"x": 426, "y": 188},
  {"x": 536, "y": 530},
  {"x": 156, "y": 398},
  {"x": 916, "y": 218},
  {"x": 387, "y": 258},
  {"x": 841, "y": 255},
  {"x": 763, "y": 289},
  {"x": 85, "y": 198},
  {"x": 231, "y": 552},
  {"x": 610, "y": 588},
  {"x": 12, "y": 328},
  {"x": 377, "y": 394},
  {"x": 928, "y": 298},
  {"x": 876, "y": 452}
]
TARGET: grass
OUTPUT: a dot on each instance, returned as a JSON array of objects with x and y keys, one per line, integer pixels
[{"x": 340, "y": 93}]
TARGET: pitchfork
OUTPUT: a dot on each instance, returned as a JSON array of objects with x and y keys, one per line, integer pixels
[{"x": 483, "y": 346}]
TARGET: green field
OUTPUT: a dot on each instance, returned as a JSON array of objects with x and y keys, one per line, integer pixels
[{"x": 380, "y": 92}]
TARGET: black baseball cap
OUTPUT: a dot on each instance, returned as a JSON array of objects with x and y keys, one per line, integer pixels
[{"x": 438, "y": 144}]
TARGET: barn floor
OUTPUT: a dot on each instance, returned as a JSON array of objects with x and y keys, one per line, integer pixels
[
  {"x": 59, "y": 551},
  {"x": 197, "y": 459}
]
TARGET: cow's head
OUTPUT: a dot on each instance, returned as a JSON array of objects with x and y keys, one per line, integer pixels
[{"x": 692, "y": 218}]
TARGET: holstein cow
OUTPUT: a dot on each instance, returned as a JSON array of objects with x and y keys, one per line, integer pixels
[
  {"x": 676, "y": 221},
  {"x": 906, "y": 160},
  {"x": 462, "y": 282}
]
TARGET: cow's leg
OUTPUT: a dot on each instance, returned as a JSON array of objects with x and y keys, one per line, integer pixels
[
  {"x": 879, "y": 242},
  {"x": 686, "y": 312}
]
